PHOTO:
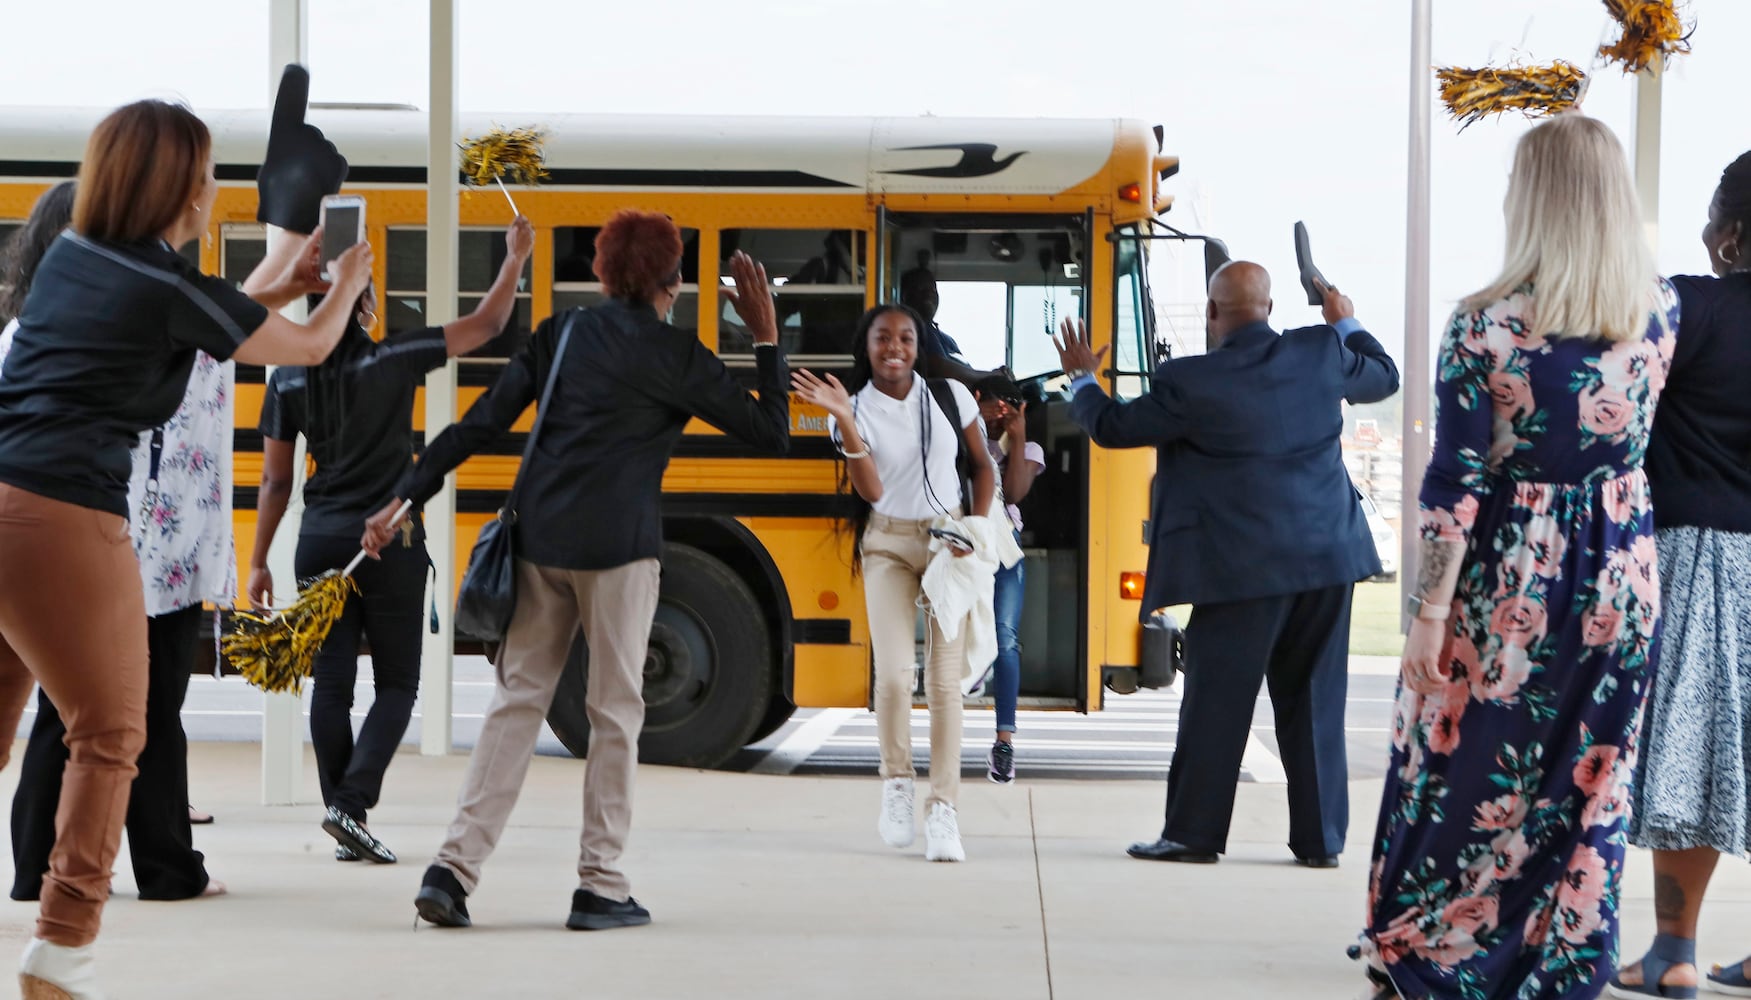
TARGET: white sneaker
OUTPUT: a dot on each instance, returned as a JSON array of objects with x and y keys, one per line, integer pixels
[
  {"x": 49, "y": 970},
  {"x": 942, "y": 834},
  {"x": 896, "y": 823}
]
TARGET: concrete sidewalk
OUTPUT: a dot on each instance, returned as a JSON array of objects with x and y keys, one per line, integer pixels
[{"x": 765, "y": 886}]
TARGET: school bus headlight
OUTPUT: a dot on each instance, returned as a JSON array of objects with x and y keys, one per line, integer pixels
[
  {"x": 1131, "y": 586},
  {"x": 1132, "y": 193}
]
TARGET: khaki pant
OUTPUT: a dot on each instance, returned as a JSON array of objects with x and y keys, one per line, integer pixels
[
  {"x": 73, "y": 614},
  {"x": 895, "y": 554},
  {"x": 615, "y": 608}
]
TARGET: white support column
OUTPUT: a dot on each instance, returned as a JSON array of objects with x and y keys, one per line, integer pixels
[
  {"x": 282, "y": 726},
  {"x": 437, "y": 662},
  {"x": 1416, "y": 376},
  {"x": 1648, "y": 86}
]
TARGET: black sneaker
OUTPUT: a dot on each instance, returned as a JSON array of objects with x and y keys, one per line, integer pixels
[
  {"x": 591, "y": 912},
  {"x": 349, "y": 832},
  {"x": 1001, "y": 762},
  {"x": 441, "y": 900}
]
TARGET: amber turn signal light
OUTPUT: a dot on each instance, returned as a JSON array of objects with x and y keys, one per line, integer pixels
[
  {"x": 1132, "y": 193},
  {"x": 1131, "y": 586}
]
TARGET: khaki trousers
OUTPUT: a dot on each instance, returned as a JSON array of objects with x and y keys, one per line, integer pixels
[
  {"x": 73, "y": 615},
  {"x": 895, "y": 554},
  {"x": 614, "y": 607}
]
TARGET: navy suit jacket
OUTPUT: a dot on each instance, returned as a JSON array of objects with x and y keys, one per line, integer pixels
[{"x": 1251, "y": 497}]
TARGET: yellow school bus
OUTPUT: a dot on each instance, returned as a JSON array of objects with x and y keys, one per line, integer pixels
[{"x": 1022, "y": 221}]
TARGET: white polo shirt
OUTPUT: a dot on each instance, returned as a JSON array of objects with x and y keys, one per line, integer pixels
[{"x": 893, "y": 432}]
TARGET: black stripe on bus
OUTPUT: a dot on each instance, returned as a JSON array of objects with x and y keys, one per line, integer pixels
[
  {"x": 820, "y": 631},
  {"x": 826, "y": 505},
  {"x": 573, "y": 176},
  {"x": 249, "y": 439},
  {"x": 478, "y": 376}
]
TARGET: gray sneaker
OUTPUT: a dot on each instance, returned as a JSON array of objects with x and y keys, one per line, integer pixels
[{"x": 1000, "y": 762}]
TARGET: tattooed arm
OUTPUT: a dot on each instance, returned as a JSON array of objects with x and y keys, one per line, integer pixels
[{"x": 1455, "y": 481}]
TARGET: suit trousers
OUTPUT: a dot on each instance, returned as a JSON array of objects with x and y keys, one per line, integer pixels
[
  {"x": 73, "y": 613},
  {"x": 160, "y": 843},
  {"x": 1298, "y": 644},
  {"x": 615, "y": 607},
  {"x": 895, "y": 555}
]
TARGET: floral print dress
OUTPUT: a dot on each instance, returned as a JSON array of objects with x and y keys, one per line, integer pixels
[{"x": 1500, "y": 846}]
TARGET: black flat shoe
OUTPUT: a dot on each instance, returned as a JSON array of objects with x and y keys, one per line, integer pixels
[
  {"x": 1317, "y": 861},
  {"x": 591, "y": 912},
  {"x": 344, "y": 853},
  {"x": 441, "y": 900},
  {"x": 349, "y": 832},
  {"x": 1170, "y": 850}
]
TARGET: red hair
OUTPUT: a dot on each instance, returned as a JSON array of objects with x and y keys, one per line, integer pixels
[{"x": 638, "y": 254}]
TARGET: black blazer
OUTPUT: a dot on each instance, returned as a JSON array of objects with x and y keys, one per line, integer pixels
[
  {"x": 1251, "y": 497},
  {"x": 591, "y": 497}
]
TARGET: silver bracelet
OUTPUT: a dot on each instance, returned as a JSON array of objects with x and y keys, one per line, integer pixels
[{"x": 849, "y": 455}]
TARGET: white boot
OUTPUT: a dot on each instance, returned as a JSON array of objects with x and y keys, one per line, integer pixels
[{"x": 51, "y": 971}]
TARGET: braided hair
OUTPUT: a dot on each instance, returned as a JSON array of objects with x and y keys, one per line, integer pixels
[
  {"x": 857, "y": 510},
  {"x": 1732, "y": 206}
]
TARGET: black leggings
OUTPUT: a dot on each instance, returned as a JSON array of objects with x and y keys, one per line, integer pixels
[
  {"x": 166, "y": 864},
  {"x": 387, "y": 612}
]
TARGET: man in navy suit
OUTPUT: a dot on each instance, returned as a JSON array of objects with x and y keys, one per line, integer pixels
[{"x": 1255, "y": 523}]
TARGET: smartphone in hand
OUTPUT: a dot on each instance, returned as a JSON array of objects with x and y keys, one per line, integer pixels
[
  {"x": 343, "y": 224},
  {"x": 953, "y": 539}
]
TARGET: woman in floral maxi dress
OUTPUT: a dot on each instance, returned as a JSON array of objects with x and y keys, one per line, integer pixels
[{"x": 1500, "y": 845}]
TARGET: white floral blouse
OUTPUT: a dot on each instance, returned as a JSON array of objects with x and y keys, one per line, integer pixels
[{"x": 182, "y": 531}]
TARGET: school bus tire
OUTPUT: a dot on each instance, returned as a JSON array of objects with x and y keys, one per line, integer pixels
[{"x": 708, "y": 678}]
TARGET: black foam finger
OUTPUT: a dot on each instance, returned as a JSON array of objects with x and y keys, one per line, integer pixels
[{"x": 293, "y": 98}]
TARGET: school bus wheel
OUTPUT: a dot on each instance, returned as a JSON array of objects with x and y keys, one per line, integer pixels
[{"x": 707, "y": 676}]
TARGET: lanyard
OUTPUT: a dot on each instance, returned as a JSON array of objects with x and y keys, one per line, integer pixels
[{"x": 149, "y": 499}]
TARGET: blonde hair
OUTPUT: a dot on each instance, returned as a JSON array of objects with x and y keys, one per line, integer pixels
[{"x": 1574, "y": 231}]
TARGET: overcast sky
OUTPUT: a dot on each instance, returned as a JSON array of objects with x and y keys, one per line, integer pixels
[{"x": 1279, "y": 109}]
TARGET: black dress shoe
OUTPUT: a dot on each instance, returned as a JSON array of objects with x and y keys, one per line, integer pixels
[
  {"x": 1170, "y": 850},
  {"x": 441, "y": 900},
  {"x": 591, "y": 912},
  {"x": 1317, "y": 861}
]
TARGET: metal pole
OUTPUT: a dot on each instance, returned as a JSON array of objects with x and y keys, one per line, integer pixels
[
  {"x": 282, "y": 716},
  {"x": 437, "y": 664},
  {"x": 1648, "y": 86},
  {"x": 1417, "y": 375}
]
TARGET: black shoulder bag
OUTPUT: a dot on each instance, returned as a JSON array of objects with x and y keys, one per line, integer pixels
[{"x": 489, "y": 588}]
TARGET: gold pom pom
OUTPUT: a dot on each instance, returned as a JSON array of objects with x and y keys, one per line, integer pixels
[
  {"x": 1535, "y": 91},
  {"x": 507, "y": 154},
  {"x": 1652, "y": 31}
]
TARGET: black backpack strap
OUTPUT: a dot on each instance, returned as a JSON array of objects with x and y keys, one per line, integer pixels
[{"x": 945, "y": 398}]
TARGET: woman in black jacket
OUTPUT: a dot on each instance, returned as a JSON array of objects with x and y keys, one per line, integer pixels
[{"x": 628, "y": 384}]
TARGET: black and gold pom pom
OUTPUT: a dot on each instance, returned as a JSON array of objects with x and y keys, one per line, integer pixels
[
  {"x": 1535, "y": 91},
  {"x": 505, "y": 154},
  {"x": 1652, "y": 32},
  {"x": 274, "y": 652}
]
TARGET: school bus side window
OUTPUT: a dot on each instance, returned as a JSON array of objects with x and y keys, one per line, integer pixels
[
  {"x": 479, "y": 255},
  {"x": 1133, "y": 318},
  {"x": 575, "y": 284},
  {"x": 818, "y": 275}
]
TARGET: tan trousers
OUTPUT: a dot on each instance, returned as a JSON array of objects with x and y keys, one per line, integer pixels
[
  {"x": 895, "y": 554},
  {"x": 615, "y": 608},
  {"x": 73, "y": 614}
]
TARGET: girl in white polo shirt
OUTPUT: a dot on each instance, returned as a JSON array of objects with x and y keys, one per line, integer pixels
[{"x": 900, "y": 446}]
